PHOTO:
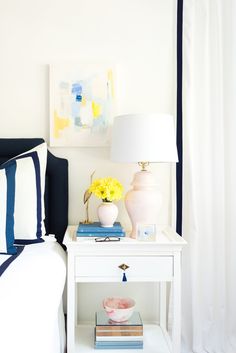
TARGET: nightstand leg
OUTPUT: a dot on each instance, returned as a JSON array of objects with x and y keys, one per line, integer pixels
[
  {"x": 70, "y": 305},
  {"x": 176, "y": 325},
  {"x": 163, "y": 305}
]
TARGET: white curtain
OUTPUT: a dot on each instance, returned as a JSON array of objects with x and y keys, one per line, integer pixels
[{"x": 209, "y": 168}]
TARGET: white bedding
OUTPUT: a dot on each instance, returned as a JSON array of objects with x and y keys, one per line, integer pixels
[{"x": 31, "y": 312}]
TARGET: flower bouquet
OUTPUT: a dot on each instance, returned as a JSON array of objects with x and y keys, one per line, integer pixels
[{"x": 108, "y": 189}]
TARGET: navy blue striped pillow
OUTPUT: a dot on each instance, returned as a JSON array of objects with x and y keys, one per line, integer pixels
[
  {"x": 29, "y": 181},
  {"x": 7, "y": 197}
]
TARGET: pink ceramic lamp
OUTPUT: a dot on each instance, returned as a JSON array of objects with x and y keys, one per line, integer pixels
[{"x": 140, "y": 138}]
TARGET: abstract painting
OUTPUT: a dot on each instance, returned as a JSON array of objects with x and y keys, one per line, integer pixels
[{"x": 81, "y": 104}]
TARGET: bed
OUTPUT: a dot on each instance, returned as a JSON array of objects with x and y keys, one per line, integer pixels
[{"x": 32, "y": 276}]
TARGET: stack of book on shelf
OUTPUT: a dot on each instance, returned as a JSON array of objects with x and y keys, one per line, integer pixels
[
  {"x": 96, "y": 230},
  {"x": 122, "y": 335}
]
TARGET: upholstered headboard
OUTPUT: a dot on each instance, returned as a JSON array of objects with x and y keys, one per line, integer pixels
[{"x": 56, "y": 190}]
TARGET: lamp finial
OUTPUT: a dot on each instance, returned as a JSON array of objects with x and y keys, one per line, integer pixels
[{"x": 143, "y": 165}]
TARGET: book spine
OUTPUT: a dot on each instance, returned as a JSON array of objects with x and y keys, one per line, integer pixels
[
  {"x": 119, "y": 333},
  {"x": 118, "y": 345},
  {"x": 121, "y": 338},
  {"x": 96, "y": 230},
  {"x": 120, "y": 328},
  {"x": 100, "y": 235}
]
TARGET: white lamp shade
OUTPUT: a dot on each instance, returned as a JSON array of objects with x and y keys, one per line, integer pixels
[{"x": 144, "y": 138}]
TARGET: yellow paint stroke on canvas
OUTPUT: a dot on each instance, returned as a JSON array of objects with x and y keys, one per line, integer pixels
[
  {"x": 84, "y": 101},
  {"x": 110, "y": 79},
  {"x": 97, "y": 110},
  {"x": 59, "y": 124}
]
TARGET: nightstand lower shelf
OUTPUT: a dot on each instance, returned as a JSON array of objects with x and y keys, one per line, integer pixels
[{"x": 155, "y": 340}]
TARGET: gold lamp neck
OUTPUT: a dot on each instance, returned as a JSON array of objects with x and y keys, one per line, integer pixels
[{"x": 143, "y": 165}]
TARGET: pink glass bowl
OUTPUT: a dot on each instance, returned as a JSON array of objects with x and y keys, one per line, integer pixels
[{"x": 119, "y": 309}]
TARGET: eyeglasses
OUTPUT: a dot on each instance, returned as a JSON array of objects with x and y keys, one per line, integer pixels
[{"x": 106, "y": 239}]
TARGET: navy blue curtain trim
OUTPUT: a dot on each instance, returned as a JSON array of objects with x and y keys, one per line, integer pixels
[
  {"x": 179, "y": 124},
  {"x": 10, "y": 259}
]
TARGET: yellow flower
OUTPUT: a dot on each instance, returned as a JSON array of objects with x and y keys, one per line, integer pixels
[{"x": 107, "y": 189}]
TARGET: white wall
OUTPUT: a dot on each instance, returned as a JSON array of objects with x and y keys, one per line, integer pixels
[{"x": 137, "y": 35}]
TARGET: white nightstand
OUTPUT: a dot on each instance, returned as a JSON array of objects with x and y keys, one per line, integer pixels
[{"x": 158, "y": 261}]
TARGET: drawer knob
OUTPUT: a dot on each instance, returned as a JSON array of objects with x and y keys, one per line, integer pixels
[{"x": 124, "y": 267}]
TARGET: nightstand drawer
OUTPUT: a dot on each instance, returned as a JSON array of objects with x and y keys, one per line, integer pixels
[{"x": 144, "y": 268}]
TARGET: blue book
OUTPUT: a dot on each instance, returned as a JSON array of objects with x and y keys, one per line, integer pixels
[
  {"x": 100, "y": 235},
  {"x": 96, "y": 227},
  {"x": 118, "y": 345}
]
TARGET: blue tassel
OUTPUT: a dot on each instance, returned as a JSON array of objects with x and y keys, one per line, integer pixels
[{"x": 124, "y": 279}]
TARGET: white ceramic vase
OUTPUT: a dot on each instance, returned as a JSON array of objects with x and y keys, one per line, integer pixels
[{"x": 107, "y": 213}]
